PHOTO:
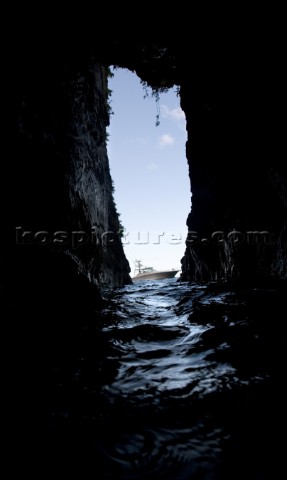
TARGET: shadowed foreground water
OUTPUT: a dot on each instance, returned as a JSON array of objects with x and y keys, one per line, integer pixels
[{"x": 170, "y": 381}]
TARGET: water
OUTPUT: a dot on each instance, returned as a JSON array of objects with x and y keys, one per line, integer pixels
[{"x": 172, "y": 381}]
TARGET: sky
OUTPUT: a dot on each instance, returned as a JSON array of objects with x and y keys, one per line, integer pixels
[{"x": 150, "y": 172}]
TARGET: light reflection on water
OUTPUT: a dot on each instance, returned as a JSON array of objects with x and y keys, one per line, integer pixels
[{"x": 174, "y": 384}]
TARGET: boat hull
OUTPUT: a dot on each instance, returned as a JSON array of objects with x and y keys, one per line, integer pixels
[{"x": 155, "y": 275}]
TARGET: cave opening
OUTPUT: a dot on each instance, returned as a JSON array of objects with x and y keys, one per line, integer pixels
[
  {"x": 185, "y": 382},
  {"x": 146, "y": 150}
]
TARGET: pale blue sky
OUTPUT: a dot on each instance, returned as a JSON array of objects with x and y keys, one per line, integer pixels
[{"x": 150, "y": 172}]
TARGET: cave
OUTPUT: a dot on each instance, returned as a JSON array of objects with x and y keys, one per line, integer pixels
[
  {"x": 55, "y": 113},
  {"x": 59, "y": 252}
]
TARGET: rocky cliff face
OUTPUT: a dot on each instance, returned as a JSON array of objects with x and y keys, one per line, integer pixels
[
  {"x": 237, "y": 223},
  {"x": 62, "y": 221},
  {"x": 92, "y": 207}
]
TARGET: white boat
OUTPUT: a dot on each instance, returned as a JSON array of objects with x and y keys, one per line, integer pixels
[{"x": 149, "y": 273}]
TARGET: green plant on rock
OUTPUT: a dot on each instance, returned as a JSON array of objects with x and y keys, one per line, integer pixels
[{"x": 155, "y": 93}]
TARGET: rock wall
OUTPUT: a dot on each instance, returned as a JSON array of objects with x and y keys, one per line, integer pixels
[
  {"x": 53, "y": 127},
  {"x": 238, "y": 218}
]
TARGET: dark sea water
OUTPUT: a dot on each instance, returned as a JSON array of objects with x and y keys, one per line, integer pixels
[{"x": 172, "y": 381}]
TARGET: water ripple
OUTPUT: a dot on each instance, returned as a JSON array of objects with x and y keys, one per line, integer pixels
[{"x": 173, "y": 381}]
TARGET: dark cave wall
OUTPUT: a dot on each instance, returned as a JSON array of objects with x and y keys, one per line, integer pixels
[
  {"x": 90, "y": 184},
  {"x": 53, "y": 122},
  {"x": 238, "y": 179}
]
